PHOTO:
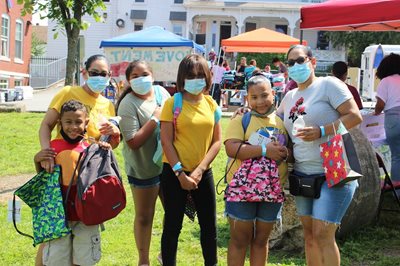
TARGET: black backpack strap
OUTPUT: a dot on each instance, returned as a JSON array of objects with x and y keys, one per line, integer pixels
[
  {"x": 15, "y": 223},
  {"x": 228, "y": 170},
  {"x": 70, "y": 185}
]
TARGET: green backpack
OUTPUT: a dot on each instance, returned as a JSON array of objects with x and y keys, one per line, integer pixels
[{"x": 43, "y": 195}]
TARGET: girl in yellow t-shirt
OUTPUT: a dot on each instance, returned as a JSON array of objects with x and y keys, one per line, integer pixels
[
  {"x": 191, "y": 140},
  {"x": 253, "y": 210}
]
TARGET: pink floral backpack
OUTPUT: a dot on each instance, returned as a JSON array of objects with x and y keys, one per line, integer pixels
[{"x": 256, "y": 180}]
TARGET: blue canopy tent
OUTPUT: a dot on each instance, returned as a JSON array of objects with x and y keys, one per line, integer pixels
[
  {"x": 162, "y": 49},
  {"x": 151, "y": 37}
]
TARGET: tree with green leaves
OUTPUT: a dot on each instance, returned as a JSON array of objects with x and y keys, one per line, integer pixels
[
  {"x": 68, "y": 16},
  {"x": 356, "y": 42},
  {"x": 38, "y": 46}
]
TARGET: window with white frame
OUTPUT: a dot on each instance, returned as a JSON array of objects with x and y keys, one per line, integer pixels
[
  {"x": 17, "y": 82},
  {"x": 5, "y": 36},
  {"x": 18, "y": 39},
  {"x": 177, "y": 29},
  {"x": 3, "y": 83}
]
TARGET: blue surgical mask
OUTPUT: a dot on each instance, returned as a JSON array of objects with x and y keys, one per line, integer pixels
[
  {"x": 141, "y": 85},
  {"x": 97, "y": 84},
  {"x": 299, "y": 72},
  {"x": 195, "y": 86}
]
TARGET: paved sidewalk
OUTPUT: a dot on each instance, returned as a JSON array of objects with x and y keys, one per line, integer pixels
[{"x": 41, "y": 99}]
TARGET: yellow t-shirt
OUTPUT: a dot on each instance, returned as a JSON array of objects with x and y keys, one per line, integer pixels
[
  {"x": 96, "y": 107},
  {"x": 235, "y": 131},
  {"x": 194, "y": 130}
]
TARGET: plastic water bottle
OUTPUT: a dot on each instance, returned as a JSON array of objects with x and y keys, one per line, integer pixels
[
  {"x": 298, "y": 124},
  {"x": 114, "y": 120}
]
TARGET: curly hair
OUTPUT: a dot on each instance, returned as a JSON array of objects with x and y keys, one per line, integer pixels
[
  {"x": 72, "y": 106},
  {"x": 390, "y": 65}
]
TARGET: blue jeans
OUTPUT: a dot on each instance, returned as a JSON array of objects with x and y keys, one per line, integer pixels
[
  {"x": 267, "y": 212},
  {"x": 331, "y": 206},
  {"x": 392, "y": 130}
]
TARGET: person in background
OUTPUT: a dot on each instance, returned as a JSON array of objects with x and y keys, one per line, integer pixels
[
  {"x": 340, "y": 70},
  {"x": 281, "y": 67},
  {"x": 248, "y": 71},
  {"x": 226, "y": 66},
  {"x": 191, "y": 140},
  {"x": 267, "y": 68},
  {"x": 243, "y": 64},
  {"x": 139, "y": 108},
  {"x": 289, "y": 86},
  {"x": 217, "y": 74},
  {"x": 323, "y": 104},
  {"x": 212, "y": 55},
  {"x": 388, "y": 100}
]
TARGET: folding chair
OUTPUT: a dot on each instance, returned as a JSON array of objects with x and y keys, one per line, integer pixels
[{"x": 387, "y": 186}]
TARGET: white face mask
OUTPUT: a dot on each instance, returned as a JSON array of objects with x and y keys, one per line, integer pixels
[{"x": 141, "y": 85}]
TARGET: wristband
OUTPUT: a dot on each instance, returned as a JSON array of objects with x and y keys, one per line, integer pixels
[
  {"x": 155, "y": 119},
  {"x": 177, "y": 166},
  {"x": 178, "y": 172},
  {"x": 322, "y": 129},
  {"x": 263, "y": 150}
]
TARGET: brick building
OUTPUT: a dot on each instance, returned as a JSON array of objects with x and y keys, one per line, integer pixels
[{"x": 15, "y": 45}]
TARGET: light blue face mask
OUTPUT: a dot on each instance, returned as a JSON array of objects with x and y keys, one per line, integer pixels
[
  {"x": 300, "y": 72},
  {"x": 97, "y": 84},
  {"x": 195, "y": 86},
  {"x": 141, "y": 85}
]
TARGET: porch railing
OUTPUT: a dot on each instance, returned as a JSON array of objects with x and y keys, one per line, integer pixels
[{"x": 46, "y": 71}]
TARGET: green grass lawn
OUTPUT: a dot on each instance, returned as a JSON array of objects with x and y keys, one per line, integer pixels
[{"x": 378, "y": 245}]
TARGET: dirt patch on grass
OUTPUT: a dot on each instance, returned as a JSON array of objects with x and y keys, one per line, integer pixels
[{"x": 8, "y": 184}]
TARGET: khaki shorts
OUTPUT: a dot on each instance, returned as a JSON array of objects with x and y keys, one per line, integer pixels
[{"x": 82, "y": 247}]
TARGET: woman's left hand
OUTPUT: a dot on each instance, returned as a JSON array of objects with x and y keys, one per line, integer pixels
[
  {"x": 109, "y": 128},
  {"x": 309, "y": 133},
  {"x": 197, "y": 174}
]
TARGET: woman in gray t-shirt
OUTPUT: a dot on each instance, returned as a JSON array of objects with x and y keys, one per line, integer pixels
[{"x": 313, "y": 110}]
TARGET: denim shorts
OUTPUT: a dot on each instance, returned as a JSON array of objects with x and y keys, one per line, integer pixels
[
  {"x": 267, "y": 212},
  {"x": 330, "y": 206},
  {"x": 144, "y": 183}
]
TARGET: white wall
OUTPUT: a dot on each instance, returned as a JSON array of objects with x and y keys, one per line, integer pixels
[{"x": 157, "y": 15}]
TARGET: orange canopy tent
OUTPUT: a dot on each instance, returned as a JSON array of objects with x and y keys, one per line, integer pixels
[{"x": 260, "y": 41}]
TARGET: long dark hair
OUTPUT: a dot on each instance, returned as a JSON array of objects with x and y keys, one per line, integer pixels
[
  {"x": 390, "y": 65},
  {"x": 128, "y": 72}
]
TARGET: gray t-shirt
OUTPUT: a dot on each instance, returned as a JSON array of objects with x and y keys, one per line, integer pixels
[
  {"x": 134, "y": 113},
  {"x": 317, "y": 105}
]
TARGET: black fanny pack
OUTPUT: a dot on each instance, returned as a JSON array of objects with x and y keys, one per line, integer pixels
[{"x": 306, "y": 185}]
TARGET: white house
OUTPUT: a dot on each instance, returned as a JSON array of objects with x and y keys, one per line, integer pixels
[{"x": 207, "y": 22}]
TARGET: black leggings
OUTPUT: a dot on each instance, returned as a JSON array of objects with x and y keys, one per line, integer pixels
[
  {"x": 216, "y": 92},
  {"x": 174, "y": 206}
]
